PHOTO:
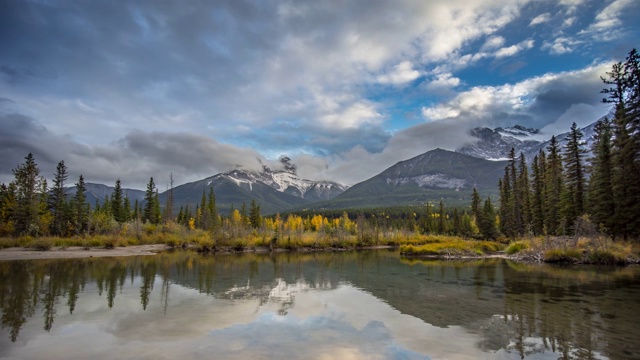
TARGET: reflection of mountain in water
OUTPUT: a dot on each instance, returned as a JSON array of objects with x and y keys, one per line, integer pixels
[{"x": 521, "y": 309}]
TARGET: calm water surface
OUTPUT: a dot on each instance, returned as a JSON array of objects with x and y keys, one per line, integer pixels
[{"x": 353, "y": 305}]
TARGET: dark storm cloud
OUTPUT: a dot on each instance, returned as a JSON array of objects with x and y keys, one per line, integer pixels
[{"x": 133, "y": 159}]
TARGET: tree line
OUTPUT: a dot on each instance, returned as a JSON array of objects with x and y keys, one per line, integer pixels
[{"x": 567, "y": 190}]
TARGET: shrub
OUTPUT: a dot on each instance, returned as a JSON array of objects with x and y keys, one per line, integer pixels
[
  {"x": 516, "y": 247},
  {"x": 563, "y": 256},
  {"x": 41, "y": 244}
]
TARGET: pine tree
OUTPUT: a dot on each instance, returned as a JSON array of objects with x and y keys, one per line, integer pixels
[
  {"x": 28, "y": 183},
  {"x": 537, "y": 194},
  {"x": 254, "y": 215},
  {"x": 58, "y": 200},
  {"x": 487, "y": 224},
  {"x": 117, "y": 203},
  {"x": 213, "y": 210},
  {"x": 600, "y": 197},
  {"x": 149, "y": 206},
  {"x": 524, "y": 194},
  {"x": 126, "y": 209},
  {"x": 506, "y": 211},
  {"x": 575, "y": 187},
  {"x": 475, "y": 203},
  {"x": 623, "y": 93},
  {"x": 157, "y": 213},
  {"x": 80, "y": 212},
  {"x": 553, "y": 189}
]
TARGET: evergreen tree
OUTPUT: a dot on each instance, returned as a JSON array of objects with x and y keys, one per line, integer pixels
[
  {"x": 487, "y": 224},
  {"x": 524, "y": 194},
  {"x": 117, "y": 203},
  {"x": 537, "y": 194},
  {"x": 553, "y": 189},
  {"x": 254, "y": 215},
  {"x": 507, "y": 221},
  {"x": 575, "y": 187},
  {"x": 623, "y": 93},
  {"x": 58, "y": 201},
  {"x": 601, "y": 199},
  {"x": 157, "y": 213},
  {"x": 27, "y": 183},
  {"x": 80, "y": 212},
  {"x": 213, "y": 211},
  {"x": 475, "y": 203},
  {"x": 126, "y": 209},
  {"x": 149, "y": 206}
]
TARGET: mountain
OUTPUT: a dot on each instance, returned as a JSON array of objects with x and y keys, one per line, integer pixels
[
  {"x": 495, "y": 144},
  {"x": 433, "y": 176},
  {"x": 97, "y": 192},
  {"x": 273, "y": 190}
]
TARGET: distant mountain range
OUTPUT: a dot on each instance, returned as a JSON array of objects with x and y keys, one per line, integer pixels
[{"x": 433, "y": 176}]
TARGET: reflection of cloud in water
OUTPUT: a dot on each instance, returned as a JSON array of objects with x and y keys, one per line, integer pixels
[{"x": 345, "y": 323}]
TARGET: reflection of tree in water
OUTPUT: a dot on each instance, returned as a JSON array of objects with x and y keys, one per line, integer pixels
[
  {"x": 567, "y": 312},
  {"x": 26, "y": 286}
]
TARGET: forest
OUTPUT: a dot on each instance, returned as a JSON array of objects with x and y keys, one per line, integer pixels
[{"x": 561, "y": 193}]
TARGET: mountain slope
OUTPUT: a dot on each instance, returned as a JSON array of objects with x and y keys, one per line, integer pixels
[{"x": 430, "y": 177}]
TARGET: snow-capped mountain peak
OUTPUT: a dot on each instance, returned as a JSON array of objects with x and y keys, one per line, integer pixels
[{"x": 287, "y": 181}]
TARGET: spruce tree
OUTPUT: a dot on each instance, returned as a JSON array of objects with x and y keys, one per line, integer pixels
[
  {"x": 27, "y": 183},
  {"x": 553, "y": 189},
  {"x": 117, "y": 203},
  {"x": 80, "y": 212},
  {"x": 507, "y": 221},
  {"x": 537, "y": 194},
  {"x": 515, "y": 198},
  {"x": 149, "y": 206},
  {"x": 575, "y": 187},
  {"x": 524, "y": 194},
  {"x": 623, "y": 93},
  {"x": 600, "y": 196},
  {"x": 58, "y": 200},
  {"x": 487, "y": 224},
  {"x": 213, "y": 210}
]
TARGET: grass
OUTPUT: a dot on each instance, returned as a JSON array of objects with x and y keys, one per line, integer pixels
[
  {"x": 595, "y": 249},
  {"x": 452, "y": 247}
]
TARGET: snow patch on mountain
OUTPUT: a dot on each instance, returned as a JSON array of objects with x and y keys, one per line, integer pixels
[{"x": 441, "y": 181}]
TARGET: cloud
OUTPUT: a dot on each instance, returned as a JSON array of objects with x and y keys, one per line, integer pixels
[
  {"x": 493, "y": 42},
  {"x": 607, "y": 23},
  {"x": 536, "y": 101},
  {"x": 514, "y": 49},
  {"x": 401, "y": 74},
  {"x": 133, "y": 158},
  {"x": 540, "y": 19},
  {"x": 561, "y": 45},
  {"x": 442, "y": 82}
]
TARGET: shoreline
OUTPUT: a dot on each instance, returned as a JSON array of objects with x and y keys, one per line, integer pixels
[{"x": 78, "y": 252}]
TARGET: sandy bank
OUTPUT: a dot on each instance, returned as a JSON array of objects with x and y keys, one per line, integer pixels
[{"x": 18, "y": 253}]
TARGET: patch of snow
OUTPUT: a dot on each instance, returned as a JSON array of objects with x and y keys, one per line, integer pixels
[{"x": 433, "y": 180}]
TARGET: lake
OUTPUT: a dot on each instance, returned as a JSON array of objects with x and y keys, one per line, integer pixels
[{"x": 342, "y": 305}]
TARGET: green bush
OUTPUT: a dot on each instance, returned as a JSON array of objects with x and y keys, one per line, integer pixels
[
  {"x": 563, "y": 256},
  {"x": 516, "y": 247}
]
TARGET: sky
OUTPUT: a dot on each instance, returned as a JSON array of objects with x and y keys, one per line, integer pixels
[{"x": 133, "y": 89}]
